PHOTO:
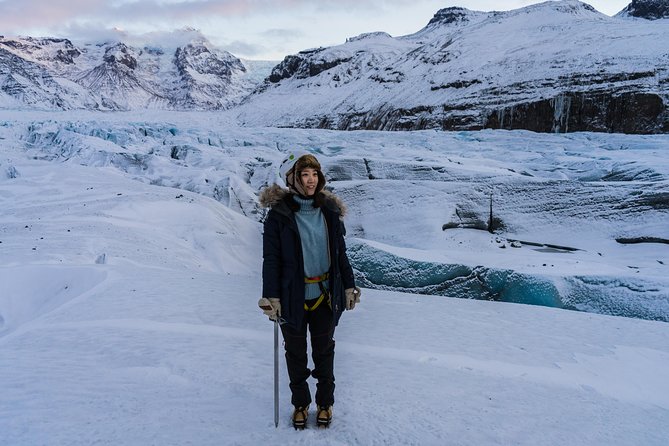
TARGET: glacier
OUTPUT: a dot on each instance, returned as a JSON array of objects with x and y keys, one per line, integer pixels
[
  {"x": 377, "y": 268},
  {"x": 162, "y": 342},
  {"x": 419, "y": 202}
]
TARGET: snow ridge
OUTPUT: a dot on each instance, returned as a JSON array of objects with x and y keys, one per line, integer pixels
[
  {"x": 56, "y": 74},
  {"x": 468, "y": 70}
]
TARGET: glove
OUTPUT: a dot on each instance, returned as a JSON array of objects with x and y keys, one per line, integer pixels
[
  {"x": 352, "y": 297},
  {"x": 271, "y": 307}
]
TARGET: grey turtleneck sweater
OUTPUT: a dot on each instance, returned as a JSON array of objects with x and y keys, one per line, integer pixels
[{"x": 313, "y": 235}]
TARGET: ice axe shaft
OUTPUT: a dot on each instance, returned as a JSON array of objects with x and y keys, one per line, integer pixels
[
  {"x": 276, "y": 373},
  {"x": 264, "y": 304}
]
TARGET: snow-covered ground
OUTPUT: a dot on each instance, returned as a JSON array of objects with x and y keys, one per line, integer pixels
[{"x": 128, "y": 301}]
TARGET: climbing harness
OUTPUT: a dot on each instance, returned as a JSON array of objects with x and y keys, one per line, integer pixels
[{"x": 324, "y": 293}]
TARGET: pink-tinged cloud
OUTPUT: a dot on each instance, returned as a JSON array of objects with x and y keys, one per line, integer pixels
[
  {"x": 20, "y": 14},
  {"x": 35, "y": 13}
]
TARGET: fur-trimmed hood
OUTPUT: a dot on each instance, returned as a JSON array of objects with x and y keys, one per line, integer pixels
[{"x": 274, "y": 194}]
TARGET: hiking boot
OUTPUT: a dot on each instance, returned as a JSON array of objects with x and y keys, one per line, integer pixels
[
  {"x": 300, "y": 415},
  {"x": 324, "y": 416}
]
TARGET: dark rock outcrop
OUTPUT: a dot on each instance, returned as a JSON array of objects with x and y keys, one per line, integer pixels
[
  {"x": 121, "y": 54},
  {"x": 30, "y": 84},
  {"x": 450, "y": 15},
  {"x": 303, "y": 65},
  {"x": 646, "y": 9},
  {"x": 586, "y": 111}
]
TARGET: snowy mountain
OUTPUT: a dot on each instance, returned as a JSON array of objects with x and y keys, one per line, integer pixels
[
  {"x": 56, "y": 74},
  {"x": 557, "y": 66},
  {"x": 554, "y": 66},
  {"x": 646, "y": 9}
]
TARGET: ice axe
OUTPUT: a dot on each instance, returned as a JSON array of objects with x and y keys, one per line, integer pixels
[{"x": 268, "y": 306}]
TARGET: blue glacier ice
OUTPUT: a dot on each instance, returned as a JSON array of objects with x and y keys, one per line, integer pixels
[{"x": 628, "y": 297}]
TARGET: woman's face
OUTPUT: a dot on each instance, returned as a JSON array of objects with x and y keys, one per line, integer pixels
[{"x": 309, "y": 180}]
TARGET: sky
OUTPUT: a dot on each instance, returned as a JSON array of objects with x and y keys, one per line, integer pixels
[{"x": 250, "y": 29}]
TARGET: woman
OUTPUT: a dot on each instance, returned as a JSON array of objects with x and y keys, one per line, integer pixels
[{"x": 307, "y": 279}]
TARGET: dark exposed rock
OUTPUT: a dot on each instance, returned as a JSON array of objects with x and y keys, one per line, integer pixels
[
  {"x": 67, "y": 56},
  {"x": 196, "y": 58},
  {"x": 456, "y": 84},
  {"x": 647, "y": 9},
  {"x": 586, "y": 111},
  {"x": 301, "y": 67},
  {"x": 25, "y": 81},
  {"x": 388, "y": 76},
  {"x": 377, "y": 34},
  {"x": 449, "y": 15},
  {"x": 324, "y": 65},
  {"x": 62, "y": 50},
  {"x": 633, "y": 240},
  {"x": 121, "y": 54},
  {"x": 386, "y": 119},
  {"x": 286, "y": 69},
  {"x": 200, "y": 58},
  {"x": 417, "y": 118},
  {"x": 599, "y": 111}
]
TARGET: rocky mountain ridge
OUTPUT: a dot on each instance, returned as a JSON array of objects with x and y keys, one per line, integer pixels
[
  {"x": 50, "y": 73},
  {"x": 556, "y": 66}
]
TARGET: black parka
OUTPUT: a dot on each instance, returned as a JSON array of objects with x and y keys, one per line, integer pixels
[{"x": 283, "y": 264}]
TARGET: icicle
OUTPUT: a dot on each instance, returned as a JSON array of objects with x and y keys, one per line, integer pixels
[{"x": 561, "y": 107}]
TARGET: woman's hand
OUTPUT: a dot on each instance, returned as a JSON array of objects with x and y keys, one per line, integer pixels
[
  {"x": 271, "y": 307},
  {"x": 352, "y": 297}
]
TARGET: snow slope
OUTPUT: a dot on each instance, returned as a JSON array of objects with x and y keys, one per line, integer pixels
[
  {"x": 553, "y": 66},
  {"x": 128, "y": 303},
  {"x": 139, "y": 327}
]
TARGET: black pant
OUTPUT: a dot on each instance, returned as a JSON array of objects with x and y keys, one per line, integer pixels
[{"x": 321, "y": 328}]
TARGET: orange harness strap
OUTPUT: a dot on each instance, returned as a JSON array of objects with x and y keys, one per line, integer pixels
[{"x": 319, "y": 280}]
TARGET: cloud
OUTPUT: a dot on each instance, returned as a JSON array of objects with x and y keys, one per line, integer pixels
[
  {"x": 22, "y": 15},
  {"x": 92, "y": 34},
  {"x": 282, "y": 34},
  {"x": 244, "y": 49},
  {"x": 255, "y": 28},
  {"x": 168, "y": 40},
  {"x": 267, "y": 42},
  {"x": 16, "y": 15},
  {"x": 51, "y": 13}
]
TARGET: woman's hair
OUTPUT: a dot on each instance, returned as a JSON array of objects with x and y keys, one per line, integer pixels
[{"x": 307, "y": 162}]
